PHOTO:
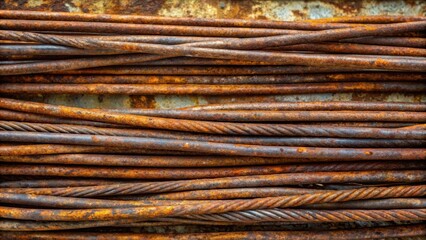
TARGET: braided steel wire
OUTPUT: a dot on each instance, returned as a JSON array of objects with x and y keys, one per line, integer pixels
[
  {"x": 222, "y": 206},
  {"x": 291, "y": 215},
  {"x": 296, "y": 215},
  {"x": 286, "y": 130},
  {"x": 206, "y": 126},
  {"x": 53, "y": 128},
  {"x": 230, "y": 182},
  {"x": 47, "y": 38}
]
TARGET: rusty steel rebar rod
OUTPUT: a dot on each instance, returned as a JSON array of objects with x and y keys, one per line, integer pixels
[
  {"x": 138, "y": 19},
  {"x": 241, "y": 43},
  {"x": 38, "y": 118},
  {"x": 222, "y": 194},
  {"x": 190, "y": 70},
  {"x": 320, "y": 131},
  {"x": 54, "y": 183},
  {"x": 32, "y": 49},
  {"x": 217, "y": 148},
  {"x": 224, "y": 206},
  {"x": 415, "y": 132},
  {"x": 14, "y": 225},
  {"x": 357, "y": 233},
  {"x": 221, "y": 164},
  {"x": 415, "y": 42},
  {"x": 390, "y": 41},
  {"x": 267, "y": 215},
  {"x": 160, "y": 123},
  {"x": 390, "y": 203},
  {"x": 271, "y": 116},
  {"x": 204, "y": 70},
  {"x": 297, "y": 37},
  {"x": 143, "y": 29},
  {"x": 243, "y": 79},
  {"x": 354, "y": 48},
  {"x": 368, "y": 19},
  {"x": 287, "y": 115},
  {"x": 406, "y": 176},
  {"x": 175, "y": 160},
  {"x": 53, "y": 202},
  {"x": 197, "y": 173},
  {"x": 306, "y": 106},
  {"x": 36, "y": 149}
]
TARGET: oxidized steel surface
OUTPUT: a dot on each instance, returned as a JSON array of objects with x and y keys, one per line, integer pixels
[
  {"x": 283, "y": 10},
  {"x": 274, "y": 10}
]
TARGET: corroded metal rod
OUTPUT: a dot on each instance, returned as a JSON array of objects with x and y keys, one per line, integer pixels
[
  {"x": 288, "y": 215},
  {"x": 150, "y": 212},
  {"x": 259, "y": 43},
  {"x": 397, "y": 137},
  {"x": 368, "y": 19},
  {"x": 296, "y": 37},
  {"x": 197, "y": 173},
  {"x": 38, "y": 118},
  {"x": 391, "y": 203},
  {"x": 54, "y": 183},
  {"x": 406, "y": 176},
  {"x": 36, "y": 149},
  {"x": 221, "y": 194},
  {"x": 360, "y": 233},
  {"x": 355, "y": 49},
  {"x": 217, "y": 148},
  {"x": 272, "y": 116},
  {"x": 164, "y": 123},
  {"x": 228, "y": 79},
  {"x": 193, "y": 89},
  {"x": 126, "y": 28},
  {"x": 53, "y": 50},
  {"x": 307, "y": 106},
  {"x": 85, "y": 17}
]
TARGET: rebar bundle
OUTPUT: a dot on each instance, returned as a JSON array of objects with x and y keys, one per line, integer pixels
[{"x": 269, "y": 163}]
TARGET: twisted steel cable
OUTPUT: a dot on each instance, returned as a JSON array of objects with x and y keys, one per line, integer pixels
[
  {"x": 253, "y": 43},
  {"x": 47, "y": 38},
  {"x": 55, "y": 128},
  {"x": 199, "y": 50},
  {"x": 236, "y": 205},
  {"x": 214, "y": 206},
  {"x": 229, "y": 182},
  {"x": 296, "y": 215},
  {"x": 285, "y": 130},
  {"x": 268, "y": 141},
  {"x": 199, "y": 126},
  {"x": 218, "y": 148}
]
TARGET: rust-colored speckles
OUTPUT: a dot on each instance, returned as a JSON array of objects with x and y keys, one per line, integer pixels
[
  {"x": 301, "y": 150},
  {"x": 228, "y": 164}
]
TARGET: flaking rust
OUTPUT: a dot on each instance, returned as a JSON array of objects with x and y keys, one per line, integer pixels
[{"x": 258, "y": 162}]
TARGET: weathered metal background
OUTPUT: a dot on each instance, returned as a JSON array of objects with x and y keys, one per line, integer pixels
[
  {"x": 248, "y": 9},
  {"x": 245, "y": 9}
]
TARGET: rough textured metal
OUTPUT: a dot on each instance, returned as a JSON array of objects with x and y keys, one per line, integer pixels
[
  {"x": 231, "y": 182},
  {"x": 155, "y": 211},
  {"x": 197, "y": 173},
  {"x": 164, "y": 123},
  {"x": 362, "y": 233},
  {"x": 232, "y": 9}
]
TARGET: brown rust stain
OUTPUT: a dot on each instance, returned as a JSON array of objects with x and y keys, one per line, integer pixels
[{"x": 271, "y": 9}]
